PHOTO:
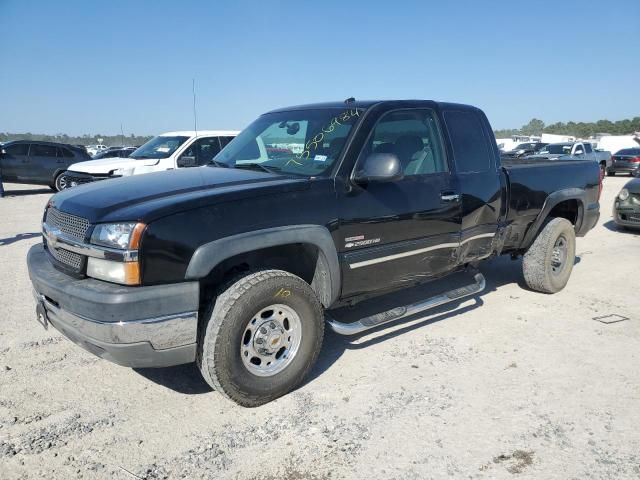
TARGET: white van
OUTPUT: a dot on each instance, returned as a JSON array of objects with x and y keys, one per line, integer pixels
[{"x": 164, "y": 152}]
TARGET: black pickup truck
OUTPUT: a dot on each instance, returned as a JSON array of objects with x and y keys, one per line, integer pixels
[{"x": 233, "y": 265}]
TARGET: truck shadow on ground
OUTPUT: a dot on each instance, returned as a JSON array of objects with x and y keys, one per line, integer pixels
[
  {"x": 32, "y": 191},
  {"x": 498, "y": 272},
  {"x": 18, "y": 237}
]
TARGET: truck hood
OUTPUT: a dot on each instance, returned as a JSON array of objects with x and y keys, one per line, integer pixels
[
  {"x": 147, "y": 197},
  {"x": 105, "y": 165}
]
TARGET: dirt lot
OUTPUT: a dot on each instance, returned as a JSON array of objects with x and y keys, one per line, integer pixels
[{"x": 513, "y": 384}]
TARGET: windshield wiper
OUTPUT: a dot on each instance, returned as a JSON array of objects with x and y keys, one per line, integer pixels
[{"x": 258, "y": 166}]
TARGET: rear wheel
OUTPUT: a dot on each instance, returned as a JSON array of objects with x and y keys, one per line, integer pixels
[
  {"x": 611, "y": 174},
  {"x": 548, "y": 263},
  {"x": 60, "y": 182},
  {"x": 263, "y": 335}
]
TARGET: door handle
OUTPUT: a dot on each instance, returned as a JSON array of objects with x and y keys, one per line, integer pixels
[{"x": 449, "y": 197}]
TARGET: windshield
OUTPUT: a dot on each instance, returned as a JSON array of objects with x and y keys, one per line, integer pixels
[
  {"x": 558, "y": 149},
  {"x": 159, "y": 147},
  {"x": 301, "y": 142}
]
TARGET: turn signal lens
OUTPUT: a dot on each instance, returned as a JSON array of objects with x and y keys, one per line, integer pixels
[{"x": 124, "y": 273}]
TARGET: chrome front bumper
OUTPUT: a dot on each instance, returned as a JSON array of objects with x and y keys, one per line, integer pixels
[{"x": 132, "y": 326}]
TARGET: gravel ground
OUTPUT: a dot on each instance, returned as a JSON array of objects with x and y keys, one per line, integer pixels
[{"x": 511, "y": 384}]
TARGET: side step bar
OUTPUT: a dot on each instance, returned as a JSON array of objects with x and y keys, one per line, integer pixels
[{"x": 373, "y": 321}]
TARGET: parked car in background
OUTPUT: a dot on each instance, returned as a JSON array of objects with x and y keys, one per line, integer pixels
[
  {"x": 94, "y": 149},
  {"x": 626, "y": 207},
  {"x": 524, "y": 149},
  {"x": 626, "y": 160},
  {"x": 168, "y": 151},
  {"x": 574, "y": 151},
  {"x": 39, "y": 163},
  {"x": 115, "y": 152}
]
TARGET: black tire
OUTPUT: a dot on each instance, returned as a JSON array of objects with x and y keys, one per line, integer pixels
[
  {"x": 219, "y": 350},
  {"x": 611, "y": 174},
  {"x": 540, "y": 266},
  {"x": 60, "y": 182}
]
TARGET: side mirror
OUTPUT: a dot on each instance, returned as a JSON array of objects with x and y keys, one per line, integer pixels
[
  {"x": 579, "y": 152},
  {"x": 379, "y": 168},
  {"x": 185, "y": 161}
]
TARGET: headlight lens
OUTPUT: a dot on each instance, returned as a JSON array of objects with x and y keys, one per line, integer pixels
[
  {"x": 624, "y": 194},
  {"x": 122, "y": 236}
]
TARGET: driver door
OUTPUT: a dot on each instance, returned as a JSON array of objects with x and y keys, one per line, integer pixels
[{"x": 397, "y": 233}]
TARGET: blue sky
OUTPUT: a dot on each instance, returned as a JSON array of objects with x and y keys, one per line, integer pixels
[{"x": 86, "y": 67}]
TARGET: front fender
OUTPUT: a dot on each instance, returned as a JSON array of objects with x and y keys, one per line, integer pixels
[{"x": 327, "y": 281}]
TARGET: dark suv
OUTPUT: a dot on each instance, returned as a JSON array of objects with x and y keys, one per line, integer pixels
[{"x": 39, "y": 163}]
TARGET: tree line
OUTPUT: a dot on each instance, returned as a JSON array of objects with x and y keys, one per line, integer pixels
[
  {"x": 111, "y": 140},
  {"x": 576, "y": 129}
]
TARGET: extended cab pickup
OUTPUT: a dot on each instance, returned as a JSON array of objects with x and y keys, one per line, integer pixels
[
  {"x": 237, "y": 265},
  {"x": 168, "y": 151}
]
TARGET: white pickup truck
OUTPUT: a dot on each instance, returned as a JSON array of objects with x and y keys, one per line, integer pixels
[
  {"x": 574, "y": 151},
  {"x": 165, "y": 152}
]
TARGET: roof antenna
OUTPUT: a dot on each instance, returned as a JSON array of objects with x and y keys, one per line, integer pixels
[
  {"x": 195, "y": 116},
  {"x": 350, "y": 100}
]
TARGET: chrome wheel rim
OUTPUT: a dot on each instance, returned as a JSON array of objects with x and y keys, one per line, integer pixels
[
  {"x": 559, "y": 255},
  {"x": 271, "y": 340}
]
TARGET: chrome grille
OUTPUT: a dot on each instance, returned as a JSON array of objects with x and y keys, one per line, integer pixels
[
  {"x": 71, "y": 259},
  {"x": 74, "y": 227}
]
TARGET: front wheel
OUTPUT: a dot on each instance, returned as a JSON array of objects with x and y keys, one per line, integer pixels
[
  {"x": 610, "y": 173},
  {"x": 263, "y": 334},
  {"x": 548, "y": 263},
  {"x": 60, "y": 183}
]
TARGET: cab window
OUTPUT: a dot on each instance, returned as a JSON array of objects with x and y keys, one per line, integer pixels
[
  {"x": 203, "y": 149},
  {"x": 413, "y": 136}
]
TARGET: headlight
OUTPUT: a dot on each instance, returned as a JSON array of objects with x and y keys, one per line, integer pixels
[
  {"x": 624, "y": 194},
  {"x": 122, "y": 236},
  {"x": 118, "y": 236},
  {"x": 117, "y": 172}
]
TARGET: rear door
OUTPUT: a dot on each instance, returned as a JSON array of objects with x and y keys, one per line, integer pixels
[
  {"x": 397, "y": 233},
  {"x": 15, "y": 162},
  {"x": 42, "y": 163},
  {"x": 480, "y": 180},
  {"x": 64, "y": 158}
]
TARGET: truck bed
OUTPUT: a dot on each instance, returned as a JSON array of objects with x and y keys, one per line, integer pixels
[{"x": 531, "y": 181}]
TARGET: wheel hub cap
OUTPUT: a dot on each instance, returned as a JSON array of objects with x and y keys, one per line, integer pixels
[
  {"x": 271, "y": 340},
  {"x": 559, "y": 255}
]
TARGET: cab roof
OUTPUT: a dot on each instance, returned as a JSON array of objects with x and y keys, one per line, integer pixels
[{"x": 369, "y": 103}]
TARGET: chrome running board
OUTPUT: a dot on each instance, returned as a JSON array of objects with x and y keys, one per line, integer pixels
[{"x": 373, "y": 321}]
